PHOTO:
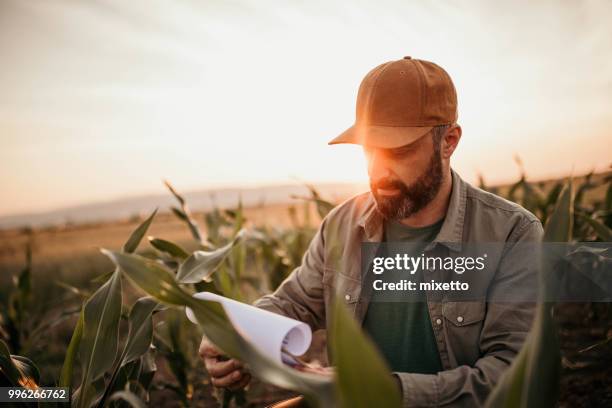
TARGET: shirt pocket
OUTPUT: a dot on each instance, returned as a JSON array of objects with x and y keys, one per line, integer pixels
[
  {"x": 347, "y": 287},
  {"x": 461, "y": 314},
  {"x": 464, "y": 322}
]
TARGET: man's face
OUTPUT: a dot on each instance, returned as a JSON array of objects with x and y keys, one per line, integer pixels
[{"x": 404, "y": 180}]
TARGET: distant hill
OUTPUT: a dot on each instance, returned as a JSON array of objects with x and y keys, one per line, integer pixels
[
  {"x": 204, "y": 200},
  {"x": 197, "y": 200}
]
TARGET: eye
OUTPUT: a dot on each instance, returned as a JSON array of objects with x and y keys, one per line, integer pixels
[{"x": 398, "y": 153}]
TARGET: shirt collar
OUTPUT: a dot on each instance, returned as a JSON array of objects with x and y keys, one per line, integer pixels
[{"x": 451, "y": 232}]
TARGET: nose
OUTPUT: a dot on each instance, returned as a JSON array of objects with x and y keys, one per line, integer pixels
[{"x": 377, "y": 165}]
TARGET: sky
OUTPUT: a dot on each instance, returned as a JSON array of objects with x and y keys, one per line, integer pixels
[{"x": 104, "y": 99}]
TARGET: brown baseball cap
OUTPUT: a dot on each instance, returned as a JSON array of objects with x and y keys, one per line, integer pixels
[{"x": 399, "y": 102}]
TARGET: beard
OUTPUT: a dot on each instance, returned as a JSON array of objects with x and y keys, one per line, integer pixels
[{"x": 412, "y": 198}]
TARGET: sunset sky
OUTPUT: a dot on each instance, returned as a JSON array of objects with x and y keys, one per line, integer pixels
[{"x": 100, "y": 100}]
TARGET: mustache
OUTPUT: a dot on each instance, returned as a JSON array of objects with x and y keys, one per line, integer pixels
[{"x": 387, "y": 184}]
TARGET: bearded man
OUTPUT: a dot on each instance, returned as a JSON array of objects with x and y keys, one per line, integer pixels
[{"x": 443, "y": 352}]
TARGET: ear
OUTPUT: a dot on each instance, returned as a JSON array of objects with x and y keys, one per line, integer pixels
[{"x": 450, "y": 141}]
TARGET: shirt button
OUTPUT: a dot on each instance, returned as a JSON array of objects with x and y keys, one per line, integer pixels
[
  {"x": 347, "y": 297},
  {"x": 460, "y": 319},
  {"x": 438, "y": 321}
]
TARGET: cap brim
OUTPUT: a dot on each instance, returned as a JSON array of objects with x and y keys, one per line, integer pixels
[{"x": 386, "y": 137}]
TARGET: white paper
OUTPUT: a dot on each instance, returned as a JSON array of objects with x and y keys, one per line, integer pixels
[{"x": 269, "y": 332}]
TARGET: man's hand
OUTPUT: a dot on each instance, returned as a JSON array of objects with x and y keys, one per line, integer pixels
[
  {"x": 224, "y": 373},
  {"x": 317, "y": 369}
]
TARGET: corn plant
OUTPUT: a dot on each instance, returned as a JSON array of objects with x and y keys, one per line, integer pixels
[
  {"x": 106, "y": 368},
  {"x": 374, "y": 381},
  {"x": 533, "y": 379},
  {"x": 14, "y": 315}
]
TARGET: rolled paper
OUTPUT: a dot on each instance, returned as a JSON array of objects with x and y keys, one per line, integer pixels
[{"x": 269, "y": 332}]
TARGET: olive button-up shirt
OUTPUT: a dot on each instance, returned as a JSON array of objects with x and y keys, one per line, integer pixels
[{"x": 476, "y": 340}]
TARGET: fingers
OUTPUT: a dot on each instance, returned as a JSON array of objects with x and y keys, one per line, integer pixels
[
  {"x": 325, "y": 371},
  {"x": 223, "y": 373},
  {"x": 246, "y": 379},
  {"x": 207, "y": 349},
  {"x": 217, "y": 368},
  {"x": 232, "y": 379}
]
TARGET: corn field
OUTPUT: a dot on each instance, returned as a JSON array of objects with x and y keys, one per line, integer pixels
[{"x": 133, "y": 321}]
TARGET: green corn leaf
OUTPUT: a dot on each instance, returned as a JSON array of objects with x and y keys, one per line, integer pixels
[
  {"x": 136, "y": 236},
  {"x": 7, "y": 365},
  {"x": 323, "y": 206},
  {"x": 159, "y": 282},
  {"x": 24, "y": 281},
  {"x": 18, "y": 370},
  {"x": 238, "y": 217},
  {"x": 559, "y": 226},
  {"x": 513, "y": 189},
  {"x": 603, "y": 232},
  {"x": 152, "y": 277},
  {"x": 138, "y": 341},
  {"x": 519, "y": 163},
  {"x": 19, "y": 300},
  {"x": 24, "y": 285},
  {"x": 148, "y": 368},
  {"x": 543, "y": 371},
  {"x": 584, "y": 187},
  {"x": 595, "y": 265},
  {"x": 509, "y": 391},
  {"x": 140, "y": 332},
  {"x": 553, "y": 194},
  {"x": 119, "y": 382},
  {"x": 176, "y": 195},
  {"x": 292, "y": 212},
  {"x": 51, "y": 323},
  {"x": 306, "y": 209},
  {"x": 68, "y": 366},
  {"x": 224, "y": 283},
  {"x": 532, "y": 197},
  {"x": 532, "y": 381},
  {"x": 98, "y": 280},
  {"x": 99, "y": 342},
  {"x": 96, "y": 390},
  {"x": 238, "y": 264},
  {"x": 482, "y": 184},
  {"x": 184, "y": 214},
  {"x": 100, "y": 317},
  {"x": 169, "y": 248},
  {"x": 201, "y": 264},
  {"x": 132, "y": 399},
  {"x": 173, "y": 336},
  {"x": 29, "y": 371},
  {"x": 179, "y": 214},
  {"x": 364, "y": 380},
  {"x": 75, "y": 290},
  {"x": 608, "y": 199}
]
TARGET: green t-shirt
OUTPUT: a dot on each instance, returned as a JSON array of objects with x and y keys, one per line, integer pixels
[{"x": 402, "y": 330}]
